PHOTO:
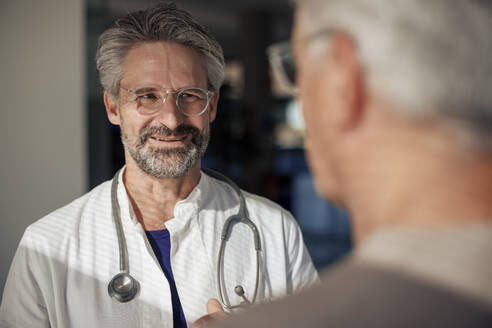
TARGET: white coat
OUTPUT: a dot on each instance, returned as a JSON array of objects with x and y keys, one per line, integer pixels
[{"x": 60, "y": 273}]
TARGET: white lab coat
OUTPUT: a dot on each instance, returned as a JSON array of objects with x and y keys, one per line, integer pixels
[{"x": 60, "y": 273}]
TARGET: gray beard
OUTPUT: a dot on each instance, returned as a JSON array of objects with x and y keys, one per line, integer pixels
[{"x": 167, "y": 163}]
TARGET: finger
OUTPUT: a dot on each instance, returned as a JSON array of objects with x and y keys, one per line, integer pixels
[
  {"x": 206, "y": 321},
  {"x": 215, "y": 312},
  {"x": 214, "y": 306}
]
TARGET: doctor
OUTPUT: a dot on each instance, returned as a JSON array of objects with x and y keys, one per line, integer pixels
[{"x": 161, "y": 72}]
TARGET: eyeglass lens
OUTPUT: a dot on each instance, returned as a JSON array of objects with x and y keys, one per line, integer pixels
[
  {"x": 283, "y": 64},
  {"x": 289, "y": 66}
]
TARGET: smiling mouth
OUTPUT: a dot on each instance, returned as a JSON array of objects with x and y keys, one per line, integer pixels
[{"x": 170, "y": 138}]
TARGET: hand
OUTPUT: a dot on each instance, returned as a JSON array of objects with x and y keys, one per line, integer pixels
[{"x": 215, "y": 313}]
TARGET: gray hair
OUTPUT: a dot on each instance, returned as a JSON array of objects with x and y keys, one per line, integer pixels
[
  {"x": 433, "y": 57},
  {"x": 162, "y": 22}
]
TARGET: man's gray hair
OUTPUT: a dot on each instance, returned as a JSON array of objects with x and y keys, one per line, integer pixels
[
  {"x": 433, "y": 57},
  {"x": 162, "y": 22}
]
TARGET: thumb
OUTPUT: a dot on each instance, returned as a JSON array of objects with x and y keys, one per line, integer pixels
[
  {"x": 214, "y": 312},
  {"x": 214, "y": 306}
]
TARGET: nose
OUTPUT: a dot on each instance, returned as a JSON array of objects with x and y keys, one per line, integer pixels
[{"x": 169, "y": 114}]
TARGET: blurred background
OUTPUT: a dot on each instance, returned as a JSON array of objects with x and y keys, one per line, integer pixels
[{"x": 56, "y": 142}]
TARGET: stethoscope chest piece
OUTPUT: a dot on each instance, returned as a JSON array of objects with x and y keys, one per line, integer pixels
[{"x": 123, "y": 287}]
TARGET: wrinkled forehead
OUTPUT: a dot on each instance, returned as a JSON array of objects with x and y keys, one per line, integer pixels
[{"x": 164, "y": 63}]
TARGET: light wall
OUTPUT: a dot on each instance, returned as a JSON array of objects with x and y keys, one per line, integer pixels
[{"x": 42, "y": 114}]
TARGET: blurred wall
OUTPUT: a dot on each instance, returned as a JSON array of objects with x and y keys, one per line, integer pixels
[{"x": 42, "y": 122}]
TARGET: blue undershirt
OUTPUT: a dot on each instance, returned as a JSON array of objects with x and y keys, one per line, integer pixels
[{"x": 160, "y": 241}]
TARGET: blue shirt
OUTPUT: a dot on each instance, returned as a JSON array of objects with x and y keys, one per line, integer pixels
[{"x": 160, "y": 240}]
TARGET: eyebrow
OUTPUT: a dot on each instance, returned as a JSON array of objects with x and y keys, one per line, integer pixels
[{"x": 146, "y": 89}]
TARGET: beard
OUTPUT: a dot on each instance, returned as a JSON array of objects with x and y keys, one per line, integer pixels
[{"x": 167, "y": 162}]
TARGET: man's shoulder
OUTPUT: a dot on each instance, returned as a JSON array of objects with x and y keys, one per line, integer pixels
[
  {"x": 65, "y": 219},
  {"x": 263, "y": 203},
  {"x": 354, "y": 294},
  {"x": 389, "y": 297},
  {"x": 255, "y": 203}
]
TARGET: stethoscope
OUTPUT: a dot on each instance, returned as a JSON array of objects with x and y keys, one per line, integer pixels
[{"x": 124, "y": 288}]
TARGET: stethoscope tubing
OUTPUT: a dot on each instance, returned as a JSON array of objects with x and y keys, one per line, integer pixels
[
  {"x": 124, "y": 265},
  {"x": 123, "y": 287},
  {"x": 241, "y": 217}
]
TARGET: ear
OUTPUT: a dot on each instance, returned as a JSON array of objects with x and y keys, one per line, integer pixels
[
  {"x": 213, "y": 106},
  {"x": 112, "y": 109},
  {"x": 347, "y": 78}
]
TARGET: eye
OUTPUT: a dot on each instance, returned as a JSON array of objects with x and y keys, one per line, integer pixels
[
  {"x": 147, "y": 98},
  {"x": 147, "y": 95},
  {"x": 192, "y": 95}
]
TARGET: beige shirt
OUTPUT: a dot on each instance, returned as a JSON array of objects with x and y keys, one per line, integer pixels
[
  {"x": 399, "y": 277},
  {"x": 456, "y": 258}
]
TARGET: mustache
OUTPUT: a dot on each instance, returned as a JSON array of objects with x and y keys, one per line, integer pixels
[{"x": 167, "y": 132}]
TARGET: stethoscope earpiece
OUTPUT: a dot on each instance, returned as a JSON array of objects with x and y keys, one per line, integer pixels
[
  {"x": 239, "y": 290},
  {"x": 123, "y": 287}
]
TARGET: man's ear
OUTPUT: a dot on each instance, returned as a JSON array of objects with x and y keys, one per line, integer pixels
[
  {"x": 112, "y": 108},
  {"x": 347, "y": 77},
  {"x": 213, "y": 106}
]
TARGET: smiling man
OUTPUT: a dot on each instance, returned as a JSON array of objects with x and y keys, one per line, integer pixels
[{"x": 149, "y": 248}]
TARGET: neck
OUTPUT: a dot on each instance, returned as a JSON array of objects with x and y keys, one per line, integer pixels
[
  {"x": 153, "y": 200},
  {"x": 418, "y": 177}
]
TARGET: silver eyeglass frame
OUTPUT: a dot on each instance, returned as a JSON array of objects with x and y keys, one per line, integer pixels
[
  {"x": 208, "y": 93},
  {"x": 275, "y": 52}
]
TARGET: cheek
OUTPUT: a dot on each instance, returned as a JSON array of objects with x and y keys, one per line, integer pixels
[
  {"x": 321, "y": 168},
  {"x": 132, "y": 125},
  {"x": 313, "y": 106},
  {"x": 200, "y": 122},
  {"x": 319, "y": 139}
]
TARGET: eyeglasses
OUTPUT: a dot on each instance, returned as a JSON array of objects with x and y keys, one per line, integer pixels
[
  {"x": 283, "y": 65},
  {"x": 192, "y": 101}
]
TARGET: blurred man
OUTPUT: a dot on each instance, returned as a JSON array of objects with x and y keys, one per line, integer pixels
[
  {"x": 152, "y": 246},
  {"x": 398, "y": 105}
]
